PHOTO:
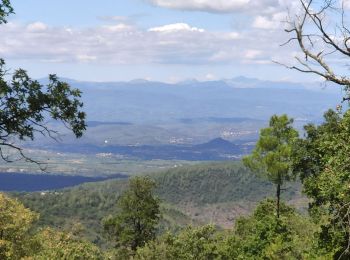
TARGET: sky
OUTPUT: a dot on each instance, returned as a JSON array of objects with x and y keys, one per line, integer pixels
[{"x": 159, "y": 40}]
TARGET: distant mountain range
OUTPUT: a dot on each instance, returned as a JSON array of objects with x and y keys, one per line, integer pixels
[
  {"x": 142, "y": 112},
  {"x": 141, "y": 101}
]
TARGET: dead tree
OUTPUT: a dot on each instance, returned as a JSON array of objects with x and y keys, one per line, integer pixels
[{"x": 322, "y": 33}]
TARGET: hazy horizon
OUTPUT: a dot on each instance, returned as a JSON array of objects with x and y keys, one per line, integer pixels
[{"x": 165, "y": 41}]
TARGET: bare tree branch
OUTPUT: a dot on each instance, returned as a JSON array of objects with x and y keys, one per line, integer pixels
[{"x": 317, "y": 44}]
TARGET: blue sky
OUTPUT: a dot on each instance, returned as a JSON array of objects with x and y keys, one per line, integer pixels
[
  {"x": 163, "y": 40},
  {"x": 80, "y": 13}
]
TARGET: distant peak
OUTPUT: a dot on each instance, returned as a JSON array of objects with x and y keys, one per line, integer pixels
[
  {"x": 188, "y": 81},
  {"x": 242, "y": 78},
  {"x": 245, "y": 79},
  {"x": 138, "y": 81},
  {"x": 219, "y": 140},
  {"x": 217, "y": 143}
]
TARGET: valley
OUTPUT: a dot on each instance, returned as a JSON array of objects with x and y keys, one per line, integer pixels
[
  {"x": 191, "y": 144},
  {"x": 142, "y": 126}
]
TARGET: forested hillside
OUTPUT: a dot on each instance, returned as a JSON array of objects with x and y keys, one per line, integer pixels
[
  {"x": 225, "y": 190},
  {"x": 214, "y": 183}
]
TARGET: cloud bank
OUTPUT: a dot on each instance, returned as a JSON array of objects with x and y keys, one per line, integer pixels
[
  {"x": 224, "y": 6},
  {"x": 218, "y": 6},
  {"x": 175, "y": 28},
  {"x": 121, "y": 43}
]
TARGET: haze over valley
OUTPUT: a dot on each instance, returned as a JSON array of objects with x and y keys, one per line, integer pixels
[{"x": 189, "y": 121}]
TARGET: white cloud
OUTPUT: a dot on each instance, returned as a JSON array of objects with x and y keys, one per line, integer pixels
[
  {"x": 122, "y": 43},
  {"x": 175, "y": 28},
  {"x": 233, "y": 35},
  {"x": 210, "y": 76},
  {"x": 274, "y": 21},
  {"x": 117, "y": 18},
  {"x": 225, "y": 6},
  {"x": 258, "y": 62},
  {"x": 118, "y": 27},
  {"x": 252, "y": 54},
  {"x": 221, "y": 6},
  {"x": 262, "y": 22},
  {"x": 86, "y": 58},
  {"x": 36, "y": 27}
]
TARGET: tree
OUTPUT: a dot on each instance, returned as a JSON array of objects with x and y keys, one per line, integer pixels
[
  {"x": 19, "y": 241},
  {"x": 262, "y": 236},
  {"x": 322, "y": 160},
  {"x": 259, "y": 236},
  {"x": 5, "y": 10},
  {"x": 15, "y": 222},
  {"x": 271, "y": 157},
  {"x": 53, "y": 244},
  {"x": 26, "y": 106},
  {"x": 322, "y": 31},
  {"x": 200, "y": 243},
  {"x": 138, "y": 216}
]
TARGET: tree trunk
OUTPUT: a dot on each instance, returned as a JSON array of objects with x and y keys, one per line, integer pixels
[{"x": 278, "y": 195}]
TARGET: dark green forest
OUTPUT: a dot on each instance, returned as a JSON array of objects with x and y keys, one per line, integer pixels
[{"x": 204, "y": 189}]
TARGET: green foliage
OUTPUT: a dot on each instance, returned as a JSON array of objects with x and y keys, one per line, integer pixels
[
  {"x": 260, "y": 236},
  {"x": 17, "y": 240},
  {"x": 312, "y": 153},
  {"x": 87, "y": 204},
  {"x": 25, "y": 102},
  {"x": 322, "y": 160},
  {"x": 139, "y": 214},
  {"x": 196, "y": 186},
  {"x": 192, "y": 243},
  {"x": 5, "y": 10},
  {"x": 210, "y": 183},
  {"x": 272, "y": 154},
  {"x": 263, "y": 236},
  {"x": 15, "y": 222},
  {"x": 52, "y": 244}
]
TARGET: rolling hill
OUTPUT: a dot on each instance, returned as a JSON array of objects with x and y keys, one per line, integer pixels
[{"x": 207, "y": 193}]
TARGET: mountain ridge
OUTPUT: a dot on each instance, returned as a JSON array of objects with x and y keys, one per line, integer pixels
[{"x": 193, "y": 112}]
